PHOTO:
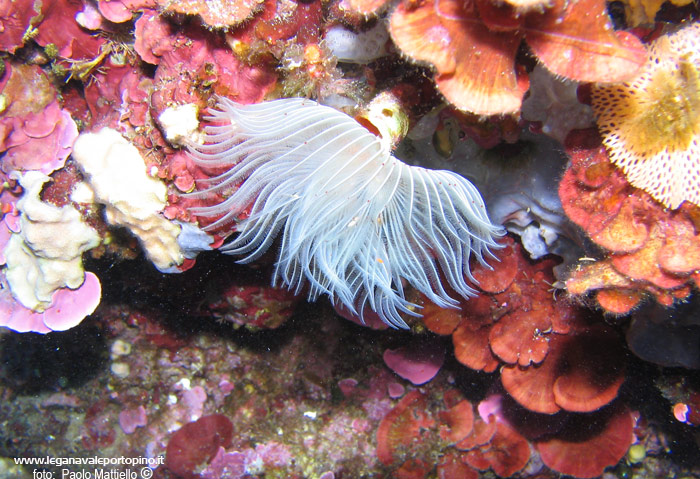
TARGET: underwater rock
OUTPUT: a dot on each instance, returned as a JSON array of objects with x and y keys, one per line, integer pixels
[
  {"x": 519, "y": 184},
  {"x": 553, "y": 102},
  {"x": 362, "y": 47},
  {"x": 668, "y": 336}
]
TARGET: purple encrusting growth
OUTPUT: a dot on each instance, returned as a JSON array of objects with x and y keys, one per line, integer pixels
[{"x": 355, "y": 222}]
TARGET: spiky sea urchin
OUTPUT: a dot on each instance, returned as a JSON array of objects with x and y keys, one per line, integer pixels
[
  {"x": 651, "y": 124},
  {"x": 355, "y": 221}
]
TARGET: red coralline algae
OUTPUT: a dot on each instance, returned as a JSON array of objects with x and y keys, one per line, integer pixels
[
  {"x": 35, "y": 132},
  {"x": 10, "y": 191},
  {"x": 229, "y": 465},
  {"x": 252, "y": 304},
  {"x": 215, "y": 13},
  {"x": 650, "y": 250},
  {"x": 196, "y": 443},
  {"x": 27, "y": 90},
  {"x": 286, "y": 36},
  {"x": 586, "y": 445},
  {"x": 551, "y": 357},
  {"x": 18, "y": 318},
  {"x": 506, "y": 453},
  {"x": 153, "y": 36},
  {"x": 181, "y": 171},
  {"x": 58, "y": 27},
  {"x": 5, "y": 232},
  {"x": 198, "y": 66},
  {"x": 120, "y": 11},
  {"x": 474, "y": 46},
  {"x": 193, "y": 399},
  {"x": 15, "y": 18},
  {"x": 582, "y": 372},
  {"x": 402, "y": 427},
  {"x": 68, "y": 308},
  {"x": 37, "y": 141},
  {"x": 118, "y": 98},
  {"x": 114, "y": 11},
  {"x": 278, "y": 22},
  {"x": 274, "y": 454},
  {"x": 420, "y": 426},
  {"x": 89, "y": 18},
  {"x": 178, "y": 169}
]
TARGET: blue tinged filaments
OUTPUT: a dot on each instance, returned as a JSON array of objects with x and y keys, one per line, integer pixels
[{"x": 355, "y": 222}]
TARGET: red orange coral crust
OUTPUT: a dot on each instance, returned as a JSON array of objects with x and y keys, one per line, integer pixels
[
  {"x": 585, "y": 452},
  {"x": 215, "y": 13},
  {"x": 533, "y": 337},
  {"x": 651, "y": 250},
  {"x": 473, "y": 45},
  {"x": 409, "y": 433}
]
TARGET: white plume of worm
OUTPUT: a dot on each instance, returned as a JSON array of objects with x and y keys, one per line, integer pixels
[{"x": 355, "y": 222}]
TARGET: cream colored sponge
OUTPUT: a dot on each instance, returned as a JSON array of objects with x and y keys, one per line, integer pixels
[
  {"x": 45, "y": 255},
  {"x": 117, "y": 174}
]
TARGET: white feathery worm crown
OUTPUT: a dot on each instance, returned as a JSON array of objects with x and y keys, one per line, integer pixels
[{"x": 354, "y": 221}]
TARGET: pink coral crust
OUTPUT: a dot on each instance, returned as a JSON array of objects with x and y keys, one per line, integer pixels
[
  {"x": 153, "y": 37},
  {"x": 418, "y": 363},
  {"x": 131, "y": 419},
  {"x": 15, "y": 17},
  {"x": 58, "y": 27},
  {"x": 67, "y": 310},
  {"x": 38, "y": 141}
]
